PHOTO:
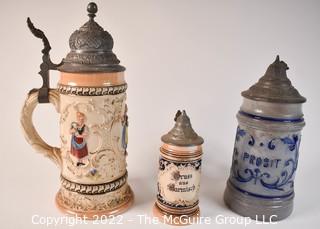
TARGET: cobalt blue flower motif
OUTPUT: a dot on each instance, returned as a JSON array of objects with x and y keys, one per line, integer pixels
[
  {"x": 266, "y": 179},
  {"x": 286, "y": 176},
  {"x": 251, "y": 174},
  {"x": 291, "y": 142},
  {"x": 240, "y": 133}
]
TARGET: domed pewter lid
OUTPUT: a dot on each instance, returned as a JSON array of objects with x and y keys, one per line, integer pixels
[
  {"x": 182, "y": 133},
  {"x": 274, "y": 86},
  {"x": 91, "y": 48}
]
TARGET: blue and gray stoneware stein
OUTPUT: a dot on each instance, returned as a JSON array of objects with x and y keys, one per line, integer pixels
[{"x": 266, "y": 149}]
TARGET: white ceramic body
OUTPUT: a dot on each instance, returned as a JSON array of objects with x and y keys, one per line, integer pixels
[
  {"x": 179, "y": 179},
  {"x": 93, "y": 133}
]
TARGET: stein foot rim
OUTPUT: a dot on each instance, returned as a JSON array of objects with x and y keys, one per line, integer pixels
[
  {"x": 175, "y": 219},
  {"x": 95, "y": 215},
  {"x": 257, "y": 208}
]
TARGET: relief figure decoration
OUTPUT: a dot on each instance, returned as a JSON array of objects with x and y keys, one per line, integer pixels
[
  {"x": 125, "y": 124},
  {"x": 79, "y": 132}
]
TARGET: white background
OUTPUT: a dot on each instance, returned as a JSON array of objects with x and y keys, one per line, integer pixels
[{"x": 180, "y": 54}]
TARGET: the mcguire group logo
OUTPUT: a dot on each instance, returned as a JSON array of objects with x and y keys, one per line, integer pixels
[{"x": 207, "y": 220}]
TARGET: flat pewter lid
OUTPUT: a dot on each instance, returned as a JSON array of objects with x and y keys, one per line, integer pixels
[
  {"x": 182, "y": 133},
  {"x": 274, "y": 86},
  {"x": 91, "y": 48}
]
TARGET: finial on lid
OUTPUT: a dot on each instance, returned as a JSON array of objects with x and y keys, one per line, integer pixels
[
  {"x": 280, "y": 63},
  {"x": 177, "y": 115},
  {"x": 92, "y": 9}
]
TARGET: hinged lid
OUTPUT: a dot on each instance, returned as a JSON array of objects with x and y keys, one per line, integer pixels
[
  {"x": 274, "y": 86},
  {"x": 91, "y": 48}
]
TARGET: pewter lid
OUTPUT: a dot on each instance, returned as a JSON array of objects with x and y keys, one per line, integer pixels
[
  {"x": 91, "y": 48},
  {"x": 274, "y": 86},
  {"x": 182, "y": 133}
]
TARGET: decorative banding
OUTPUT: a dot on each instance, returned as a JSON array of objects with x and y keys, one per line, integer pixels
[
  {"x": 93, "y": 189},
  {"x": 92, "y": 91},
  {"x": 258, "y": 195},
  {"x": 163, "y": 162},
  {"x": 175, "y": 155},
  {"x": 162, "y": 201},
  {"x": 258, "y": 117}
]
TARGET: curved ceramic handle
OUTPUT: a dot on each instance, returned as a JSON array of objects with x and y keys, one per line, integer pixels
[{"x": 30, "y": 132}]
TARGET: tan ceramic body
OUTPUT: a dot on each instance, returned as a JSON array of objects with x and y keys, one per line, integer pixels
[{"x": 94, "y": 178}]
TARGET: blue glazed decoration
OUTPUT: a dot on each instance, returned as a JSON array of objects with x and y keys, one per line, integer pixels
[
  {"x": 266, "y": 149},
  {"x": 255, "y": 165}
]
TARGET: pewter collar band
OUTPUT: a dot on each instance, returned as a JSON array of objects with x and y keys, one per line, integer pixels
[
  {"x": 92, "y": 91},
  {"x": 94, "y": 189}
]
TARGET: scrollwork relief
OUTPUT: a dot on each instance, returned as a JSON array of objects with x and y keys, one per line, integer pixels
[
  {"x": 252, "y": 168},
  {"x": 103, "y": 120}
]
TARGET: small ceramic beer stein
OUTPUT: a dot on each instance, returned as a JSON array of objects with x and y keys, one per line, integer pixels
[
  {"x": 266, "y": 149},
  {"x": 91, "y": 100},
  {"x": 179, "y": 174}
]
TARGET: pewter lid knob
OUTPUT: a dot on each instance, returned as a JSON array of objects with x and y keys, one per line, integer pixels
[
  {"x": 91, "y": 48},
  {"x": 182, "y": 134},
  {"x": 274, "y": 86},
  {"x": 92, "y": 9}
]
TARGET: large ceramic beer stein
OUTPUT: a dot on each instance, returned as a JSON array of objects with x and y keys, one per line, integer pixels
[
  {"x": 91, "y": 100},
  {"x": 266, "y": 148}
]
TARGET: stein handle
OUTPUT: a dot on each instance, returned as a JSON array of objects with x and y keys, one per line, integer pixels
[{"x": 30, "y": 133}]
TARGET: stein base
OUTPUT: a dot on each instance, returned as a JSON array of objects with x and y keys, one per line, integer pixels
[
  {"x": 175, "y": 219},
  {"x": 260, "y": 209},
  {"x": 95, "y": 215}
]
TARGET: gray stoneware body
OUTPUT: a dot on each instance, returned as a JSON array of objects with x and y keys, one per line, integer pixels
[{"x": 265, "y": 159}]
